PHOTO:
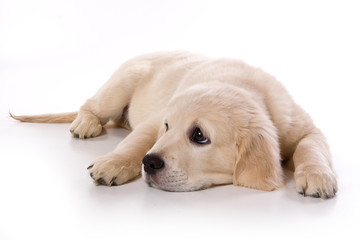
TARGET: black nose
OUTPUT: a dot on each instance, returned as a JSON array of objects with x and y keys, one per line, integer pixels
[{"x": 152, "y": 163}]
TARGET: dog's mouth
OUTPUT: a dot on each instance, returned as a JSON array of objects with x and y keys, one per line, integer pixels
[
  {"x": 172, "y": 181},
  {"x": 151, "y": 180}
]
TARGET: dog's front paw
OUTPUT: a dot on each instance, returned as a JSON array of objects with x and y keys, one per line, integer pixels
[
  {"x": 113, "y": 170},
  {"x": 317, "y": 181},
  {"x": 86, "y": 125}
]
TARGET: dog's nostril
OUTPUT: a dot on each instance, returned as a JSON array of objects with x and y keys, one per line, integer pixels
[{"x": 152, "y": 163}]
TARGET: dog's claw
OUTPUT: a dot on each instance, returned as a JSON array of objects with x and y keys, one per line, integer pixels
[
  {"x": 112, "y": 182},
  {"x": 302, "y": 192},
  {"x": 101, "y": 181},
  {"x": 316, "y": 195}
]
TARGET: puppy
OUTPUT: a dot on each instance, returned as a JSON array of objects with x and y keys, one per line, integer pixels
[{"x": 198, "y": 122}]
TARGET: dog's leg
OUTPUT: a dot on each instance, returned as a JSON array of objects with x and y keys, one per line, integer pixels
[
  {"x": 314, "y": 175},
  {"x": 124, "y": 163},
  {"x": 110, "y": 101}
]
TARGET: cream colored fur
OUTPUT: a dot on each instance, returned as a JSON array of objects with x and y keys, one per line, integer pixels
[{"x": 252, "y": 122}]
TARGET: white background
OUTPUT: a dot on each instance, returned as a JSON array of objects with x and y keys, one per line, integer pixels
[{"x": 56, "y": 54}]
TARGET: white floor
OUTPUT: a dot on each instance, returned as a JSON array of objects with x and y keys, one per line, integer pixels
[{"x": 56, "y": 54}]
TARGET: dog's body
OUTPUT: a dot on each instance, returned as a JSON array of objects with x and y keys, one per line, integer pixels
[{"x": 202, "y": 122}]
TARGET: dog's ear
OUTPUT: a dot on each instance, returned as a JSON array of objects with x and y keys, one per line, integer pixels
[{"x": 258, "y": 163}]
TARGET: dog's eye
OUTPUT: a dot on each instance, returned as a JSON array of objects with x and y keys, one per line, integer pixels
[
  {"x": 198, "y": 137},
  {"x": 166, "y": 127}
]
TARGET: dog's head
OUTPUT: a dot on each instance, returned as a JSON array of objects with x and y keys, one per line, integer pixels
[{"x": 213, "y": 134}]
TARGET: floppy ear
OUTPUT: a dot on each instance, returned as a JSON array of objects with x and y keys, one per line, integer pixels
[{"x": 258, "y": 162}]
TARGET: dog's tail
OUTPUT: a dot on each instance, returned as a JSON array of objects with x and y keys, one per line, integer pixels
[{"x": 47, "y": 118}]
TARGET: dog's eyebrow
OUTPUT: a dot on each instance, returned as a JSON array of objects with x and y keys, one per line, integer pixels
[{"x": 191, "y": 129}]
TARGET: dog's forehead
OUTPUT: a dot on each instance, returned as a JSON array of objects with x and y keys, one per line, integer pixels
[
  {"x": 196, "y": 100},
  {"x": 200, "y": 104}
]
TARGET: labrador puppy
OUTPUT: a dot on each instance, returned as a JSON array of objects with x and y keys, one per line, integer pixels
[{"x": 198, "y": 122}]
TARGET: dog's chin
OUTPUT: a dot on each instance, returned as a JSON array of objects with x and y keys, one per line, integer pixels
[{"x": 171, "y": 182}]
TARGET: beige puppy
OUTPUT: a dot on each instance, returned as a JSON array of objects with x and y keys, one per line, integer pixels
[{"x": 198, "y": 122}]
